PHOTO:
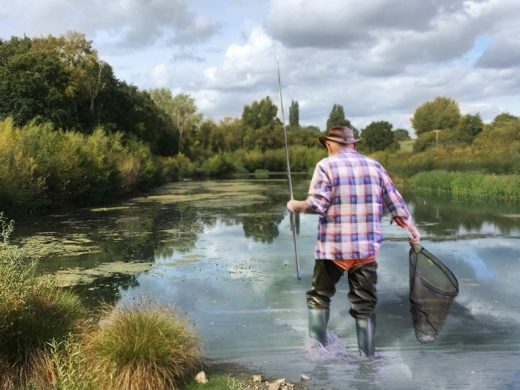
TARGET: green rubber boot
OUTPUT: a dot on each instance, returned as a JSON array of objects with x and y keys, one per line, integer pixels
[
  {"x": 318, "y": 319},
  {"x": 366, "y": 330}
]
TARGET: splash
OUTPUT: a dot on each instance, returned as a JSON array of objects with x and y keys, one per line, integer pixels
[{"x": 334, "y": 351}]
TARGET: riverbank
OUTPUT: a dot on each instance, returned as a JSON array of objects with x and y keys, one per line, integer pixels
[{"x": 468, "y": 184}]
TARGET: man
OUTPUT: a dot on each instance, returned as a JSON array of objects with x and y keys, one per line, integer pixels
[{"x": 349, "y": 192}]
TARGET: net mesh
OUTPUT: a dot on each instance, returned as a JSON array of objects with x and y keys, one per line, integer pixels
[{"x": 433, "y": 287}]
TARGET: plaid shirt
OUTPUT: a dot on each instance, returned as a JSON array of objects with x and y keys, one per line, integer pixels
[{"x": 349, "y": 192}]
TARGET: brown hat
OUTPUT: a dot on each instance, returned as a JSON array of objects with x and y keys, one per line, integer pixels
[{"x": 343, "y": 135}]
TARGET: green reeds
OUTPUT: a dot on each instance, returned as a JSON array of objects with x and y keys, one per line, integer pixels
[{"x": 468, "y": 184}]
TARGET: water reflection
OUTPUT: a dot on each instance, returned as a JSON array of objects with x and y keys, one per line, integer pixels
[{"x": 222, "y": 253}]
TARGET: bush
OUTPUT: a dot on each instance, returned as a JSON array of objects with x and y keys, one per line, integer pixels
[
  {"x": 219, "y": 165},
  {"x": 42, "y": 167},
  {"x": 32, "y": 310},
  {"x": 144, "y": 347},
  {"x": 177, "y": 167}
]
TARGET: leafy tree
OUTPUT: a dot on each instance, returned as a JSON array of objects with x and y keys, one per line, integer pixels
[
  {"x": 307, "y": 135},
  {"x": 504, "y": 118},
  {"x": 294, "y": 114},
  {"x": 264, "y": 138},
  {"x": 32, "y": 85},
  {"x": 440, "y": 114},
  {"x": 224, "y": 137},
  {"x": 378, "y": 136},
  {"x": 337, "y": 117},
  {"x": 469, "y": 127},
  {"x": 88, "y": 75},
  {"x": 401, "y": 135},
  {"x": 181, "y": 110},
  {"x": 259, "y": 113}
]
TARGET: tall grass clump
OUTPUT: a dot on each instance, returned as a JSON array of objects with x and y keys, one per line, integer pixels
[
  {"x": 33, "y": 311},
  {"x": 144, "y": 347},
  {"x": 468, "y": 184}
]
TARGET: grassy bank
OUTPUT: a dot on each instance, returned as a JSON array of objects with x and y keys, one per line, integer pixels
[
  {"x": 468, "y": 184},
  {"x": 48, "y": 340}
]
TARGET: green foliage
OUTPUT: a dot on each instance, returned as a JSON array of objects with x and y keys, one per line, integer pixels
[
  {"x": 259, "y": 114},
  {"x": 469, "y": 127},
  {"x": 306, "y": 136},
  {"x": 337, "y": 117},
  {"x": 32, "y": 310},
  {"x": 219, "y": 165},
  {"x": 41, "y": 167},
  {"x": 261, "y": 174},
  {"x": 61, "y": 80},
  {"x": 182, "y": 113},
  {"x": 378, "y": 136},
  {"x": 177, "y": 167},
  {"x": 473, "y": 184},
  {"x": 440, "y": 114},
  {"x": 401, "y": 135},
  {"x": 264, "y": 138},
  {"x": 294, "y": 114}
]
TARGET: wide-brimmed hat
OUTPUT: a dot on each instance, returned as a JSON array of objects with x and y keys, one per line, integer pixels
[{"x": 343, "y": 135}]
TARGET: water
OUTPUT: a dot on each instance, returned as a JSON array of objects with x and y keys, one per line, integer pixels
[{"x": 221, "y": 252}]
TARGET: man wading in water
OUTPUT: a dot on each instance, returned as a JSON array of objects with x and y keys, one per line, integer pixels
[{"x": 349, "y": 192}]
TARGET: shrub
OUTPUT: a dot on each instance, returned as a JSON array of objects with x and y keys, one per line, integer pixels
[
  {"x": 42, "y": 167},
  {"x": 144, "y": 347},
  {"x": 177, "y": 167},
  {"x": 219, "y": 165},
  {"x": 32, "y": 310}
]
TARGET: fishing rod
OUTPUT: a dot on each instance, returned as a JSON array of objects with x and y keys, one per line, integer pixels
[{"x": 293, "y": 215}]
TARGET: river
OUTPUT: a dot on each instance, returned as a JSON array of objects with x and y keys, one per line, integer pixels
[{"x": 221, "y": 252}]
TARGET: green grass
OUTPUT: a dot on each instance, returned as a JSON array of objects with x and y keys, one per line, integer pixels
[
  {"x": 468, "y": 184},
  {"x": 406, "y": 146}
]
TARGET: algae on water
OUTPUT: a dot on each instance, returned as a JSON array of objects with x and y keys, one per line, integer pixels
[{"x": 74, "y": 276}]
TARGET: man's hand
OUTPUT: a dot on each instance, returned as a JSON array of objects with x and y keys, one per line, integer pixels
[
  {"x": 415, "y": 236},
  {"x": 297, "y": 206}
]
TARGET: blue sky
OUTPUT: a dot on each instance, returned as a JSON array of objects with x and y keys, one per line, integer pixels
[{"x": 380, "y": 59}]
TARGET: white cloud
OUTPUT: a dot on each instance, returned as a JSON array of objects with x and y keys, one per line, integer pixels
[
  {"x": 160, "y": 75},
  {"x": 247, "y": 65},
  {"x": 128, "y": 23}
]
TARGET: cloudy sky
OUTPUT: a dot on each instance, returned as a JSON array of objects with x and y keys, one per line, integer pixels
[{"x": 380, "y": 59}]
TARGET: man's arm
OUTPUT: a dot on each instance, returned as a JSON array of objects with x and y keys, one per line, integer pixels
[{"x": 397, "y": 208}]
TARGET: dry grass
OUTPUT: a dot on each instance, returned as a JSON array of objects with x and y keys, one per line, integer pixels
[{"x": 145, "y": 347}]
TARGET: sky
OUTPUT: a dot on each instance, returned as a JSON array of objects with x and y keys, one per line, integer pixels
[{"x": 379, "y": 59}]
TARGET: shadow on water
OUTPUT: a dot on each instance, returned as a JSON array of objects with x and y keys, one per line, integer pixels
[{"x": 221, "y": 252}]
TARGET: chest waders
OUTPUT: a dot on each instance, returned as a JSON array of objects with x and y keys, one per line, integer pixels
[{"x": 433, "y": 287}]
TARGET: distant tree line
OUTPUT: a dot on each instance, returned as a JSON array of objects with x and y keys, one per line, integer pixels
[{"x": 58, "y": 89}]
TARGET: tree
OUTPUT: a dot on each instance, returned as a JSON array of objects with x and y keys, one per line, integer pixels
[
  {"x": 378, "y": 136},
  {"x": 401, "y": 135},
  {"x": 259, "y": 113},
  {"x": 469, "y": 127},
  {"x": 32, "y": 85},
  {"x": 181, "y": 110},
  {"x": 294, "y": 114},
  {"x": 337, "y": 117},
  {"x": 440, "y": 114},
  {"x": 264, "y": 138}
]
